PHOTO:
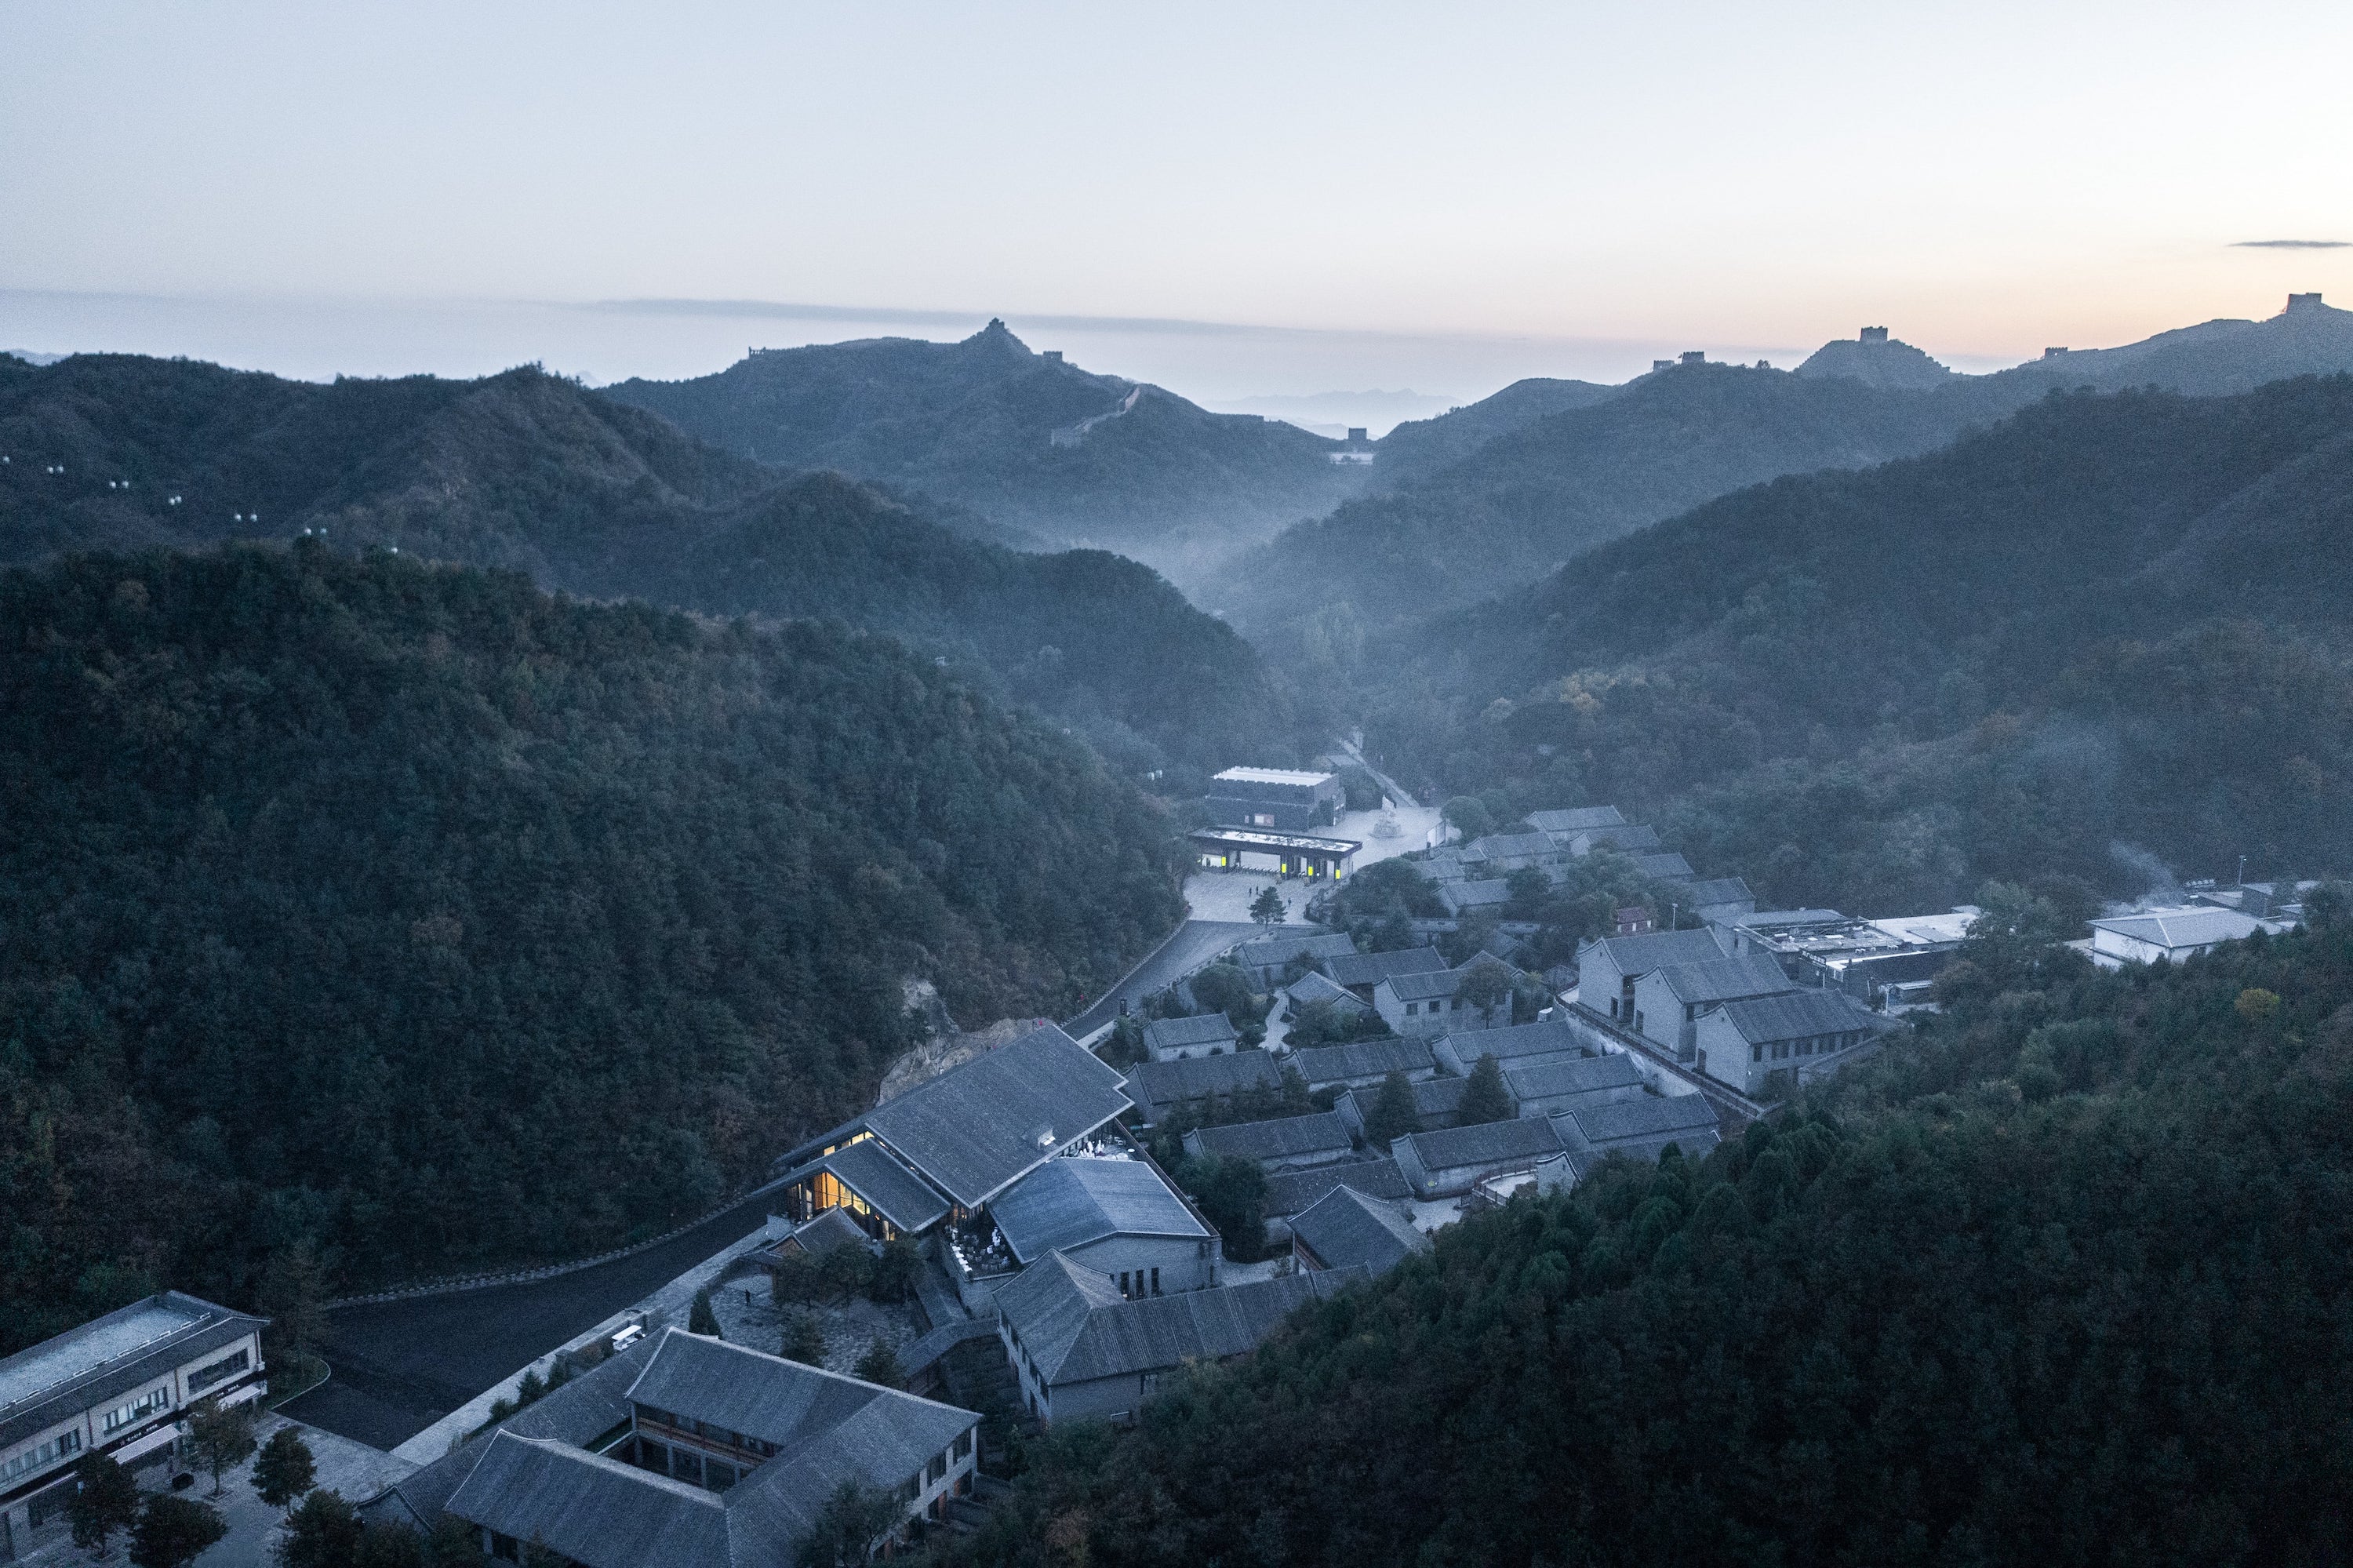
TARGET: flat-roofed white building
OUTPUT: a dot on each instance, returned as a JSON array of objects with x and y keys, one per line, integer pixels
[
  {"x": 2171, "y": 934},
  {"x": 117, "y": 1385}
]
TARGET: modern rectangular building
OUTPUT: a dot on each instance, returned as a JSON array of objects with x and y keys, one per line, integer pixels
[
  {"x": 118, "y": 1385},
  {"x": 1284, "y": 799}
]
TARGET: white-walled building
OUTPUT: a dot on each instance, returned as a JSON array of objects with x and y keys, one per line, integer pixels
[{"x": 117, "y": 1385}]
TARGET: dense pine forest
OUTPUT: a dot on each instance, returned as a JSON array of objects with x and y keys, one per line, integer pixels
[
  {"x": 440, "y": 922},
  {"x": 2110, "y": 626},
  {"x": 2062, "y": 1280}
]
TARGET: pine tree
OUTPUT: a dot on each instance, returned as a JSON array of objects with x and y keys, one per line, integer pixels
[
  {"x": 173, "y": 1530},
  {"x": 1393, "y": 1113},
  {"x": 285, "y": 1469},
  {"x": 701, "y": 1320},
  {"x": 106, "y": 1500},
  {"x": 804, "y": 1339},
  {"x": 1268, "y": 909},
  {"x": 1486, "y": 1099},
  {"x": 880, "y": 1364}
]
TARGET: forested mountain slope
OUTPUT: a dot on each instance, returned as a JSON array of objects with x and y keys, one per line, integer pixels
[
  {"x": 529, "y": 471},
  {"x": 1419, "y": 448},
  {"x": 1560, "y": 466},
  {"x": 2109, "y": 618},
  {"x": 974, "y": 422},
  {"x": 417, "y": 913},
  {"x": 1525, "y": 502},
  {"x": 2062, "y": 1281}
]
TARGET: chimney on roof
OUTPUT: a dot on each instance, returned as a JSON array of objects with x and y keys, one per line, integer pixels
[
  {"x": 1873, "y": 334},
  {"x": 2303, "y": 302}
]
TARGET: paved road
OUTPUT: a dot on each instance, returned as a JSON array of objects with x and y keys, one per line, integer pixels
[
  {"x": 1395, "y": 790},
  {"x": 402, "y": 1365},
  {"x": 1190, "y": 946}
]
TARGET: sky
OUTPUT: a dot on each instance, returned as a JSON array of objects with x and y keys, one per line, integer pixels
[{"x": 1236, "y": 201}]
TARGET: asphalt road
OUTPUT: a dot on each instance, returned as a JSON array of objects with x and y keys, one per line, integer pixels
[
  {"x": 399, "y": 1366},
  {"x": 1190, "y": 946}
]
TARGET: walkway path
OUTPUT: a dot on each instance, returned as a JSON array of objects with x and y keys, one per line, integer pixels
[
  {"x": 1190, "y": 946},
  {"x": 1395, "y": 790}
]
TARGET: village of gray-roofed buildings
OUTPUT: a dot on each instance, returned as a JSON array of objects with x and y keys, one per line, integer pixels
[{"x": 1041, "y": 1223}]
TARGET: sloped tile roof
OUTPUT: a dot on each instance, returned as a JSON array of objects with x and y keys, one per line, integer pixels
[
  {"x": 1310, "y": 990},
  {"x": 1073, "y": 1323},
  {"x": 1794, "y": 1015},
  {"x": 1627, "y": 1120},
  {"x": 1653, "y": 949},
  {"x": 1209, "y": 1029},
  {"x": 1274, "y": 952},
  {"x": 1290, "y": 1192},
  {"x": 1371, "y": 969},
  {"x": 1514, "y": 1042},
  {"x": 590, "y": 1509},
  {"x": 1068, "y": 1203},
  {"x": 1719, "y": 890},
  {"x": 1431, "y": 1097},
  {"x": 1724, "y": 979},
  {"x": 2183, "y": 927},
  {"x": 1453, "y": 1148},
  {"x": 977, "y": 1127},
  {"x": 1571, "y": 1076},
  {"x": 1346, "y": 1229},
  {"x": 1158, "y": 1084},
  {"x": 896, "y": 1192},
  {"x": 1667, "y": 866},
  {"x": 1577, "y": 819},
  {"x": 1479, "y": 895},
  {"x": 1280, "y": 1139},
  {"x": 1362, "y": 1058}
]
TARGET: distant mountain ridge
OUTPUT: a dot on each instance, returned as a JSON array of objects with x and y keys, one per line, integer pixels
[
  {"x": 533, "y": 472},
  {"x": 1027, "y": 439},
  {"x": 1506, "y": 490}
]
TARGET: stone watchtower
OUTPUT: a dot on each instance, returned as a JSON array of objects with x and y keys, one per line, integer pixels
[{"x": 1873, "y": 334}]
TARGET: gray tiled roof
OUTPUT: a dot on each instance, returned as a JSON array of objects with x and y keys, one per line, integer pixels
[
  {"x": 1509, "y": 846},
  {"x": 1280, "y": 1139},
  {"x": 1073, "y": 1323},
  {"x": 1668, "y": 866},
  {"x": 1640, "y": 954},
  {"x": 830, "y": 1230},
  {"x": 1071, "y": 1202},
  {"x": 1479, "y": 895},
  {"x": 124, "y": 1350},
  {"x": 1514, "y": 1042},
  {"x": 1431, "y": 1097},
  {"x": 1346, "y": 1229},
  {"x": 1424, "y": 987},
  {"x": 1693, "y": 1142},
  {"x": 1310, "y": 990},
  {"x": 1631, "y": 838},
  {"x": 1577, "y": 819},
  {"x": 1209, "y": 1029},
  {"x": 1371, "y": 969},
  {"x": 1453, "y": 1148},
  {"x": 1571, "y": 1076},
  {"x": 1723, "y": 980},
  {"x": 1274, "y": 952},
  {"x": 1719, "y": 890},
  {"x": 1362, "y": 1058},
  {"x": 980, "y": 1125},
  {"x": 1629, "y": 1120},
  {"x": 590, "y": 1509},
  {"x": 1794, "y": 1015},
  {"x": 1156, "y": 1085},
  {"x": 1290, "y": 1192},
  {"x": 896, "y": 1192},
  {"x": 828, "y": 1428}
]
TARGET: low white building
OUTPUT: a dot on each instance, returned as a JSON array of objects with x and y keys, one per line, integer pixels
[
  {"x": 2171, "y": 934},
  {"x": 117, "y": 1385}
]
